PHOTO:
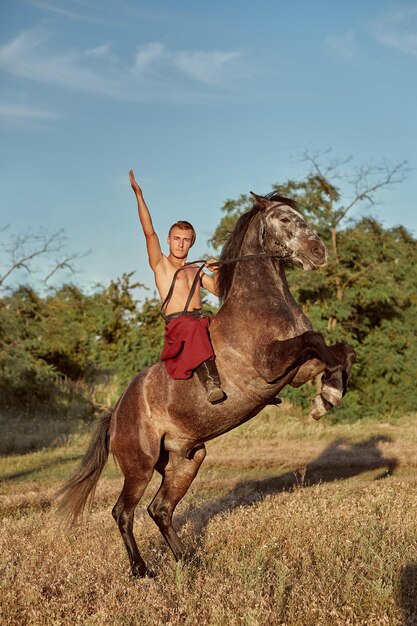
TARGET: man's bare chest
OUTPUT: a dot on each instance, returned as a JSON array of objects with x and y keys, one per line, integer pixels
[
  {"x": 178, "y": 280},
  {"x": 184, "y": 278}
]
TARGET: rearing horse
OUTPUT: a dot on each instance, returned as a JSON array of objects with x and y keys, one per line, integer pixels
[{"x": 262, "y": 342}]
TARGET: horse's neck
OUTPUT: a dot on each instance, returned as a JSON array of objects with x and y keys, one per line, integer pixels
[
  {"x": 258, "y": 277},
  {"x": 261, "y": 282}
]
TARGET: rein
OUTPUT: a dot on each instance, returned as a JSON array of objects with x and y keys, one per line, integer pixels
[{"x": 245, "y": 257}]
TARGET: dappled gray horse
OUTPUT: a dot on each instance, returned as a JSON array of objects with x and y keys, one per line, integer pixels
[{"x": 262, "y": 342}]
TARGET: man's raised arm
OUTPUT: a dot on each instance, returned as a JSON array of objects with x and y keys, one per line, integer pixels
[{"x": 152, "y": 242}]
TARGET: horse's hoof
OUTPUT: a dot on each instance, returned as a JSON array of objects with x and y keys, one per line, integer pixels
[
  {"x": 319, "y": 407},
  {"x": 332, "y": 395},
  {"x": 193, "y": 560},
  {"x": 141, "y": 572}
]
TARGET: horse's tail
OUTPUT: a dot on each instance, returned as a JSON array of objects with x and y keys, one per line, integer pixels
[{"x": 79, "y": 490}]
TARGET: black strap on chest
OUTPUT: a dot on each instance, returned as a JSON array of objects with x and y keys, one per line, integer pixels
[{"x": 196, "y": 281}]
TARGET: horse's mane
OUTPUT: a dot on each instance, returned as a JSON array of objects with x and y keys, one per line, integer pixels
[{"x": 234, "y": 242}]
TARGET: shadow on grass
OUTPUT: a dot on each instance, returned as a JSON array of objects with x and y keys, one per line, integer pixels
[
  {"x": 22, "y": 433},
  {"x": 25, "y": 473},
  {"x": 341, "y": 460},
  {"x": 407, "y": 594}
]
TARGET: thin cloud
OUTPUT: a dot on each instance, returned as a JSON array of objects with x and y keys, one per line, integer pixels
[
  {"x": 156, "y": 72},
  {"x": 28, "y": 57},
  {"x": 109, "y": 12},
  {"x": 397, "y": 29},
  {"x": 343, "y": 45},
  {"x": 148, "y": 56},
  {"x": 207, "y": 67},
  {"x": 57, "y": 8},
  {"x": 18, "y": 112},
  {"x": 99, "y": 51},
  {"x": 204, "y": 67}
]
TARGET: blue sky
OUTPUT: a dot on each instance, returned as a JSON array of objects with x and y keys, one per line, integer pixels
[{"x": 205, "y": 101}]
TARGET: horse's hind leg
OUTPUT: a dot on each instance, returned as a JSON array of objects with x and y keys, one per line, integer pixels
[
  {"x": 124, "y": 511},
  {"x": 177, "y": 475}
]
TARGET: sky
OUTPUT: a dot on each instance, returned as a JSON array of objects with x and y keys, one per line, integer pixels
[{"x": 204, "y": 100}]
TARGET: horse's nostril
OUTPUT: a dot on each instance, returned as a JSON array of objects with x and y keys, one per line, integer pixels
[{"x": 316, "y": 251}]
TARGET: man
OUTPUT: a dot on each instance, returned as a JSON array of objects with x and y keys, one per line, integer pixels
[{"x": 187, "y": 345}]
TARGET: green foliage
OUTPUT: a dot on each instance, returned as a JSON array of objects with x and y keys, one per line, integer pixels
[
  {"x": 389, "y": 364},
  {"x": 24, "y": 374},
  {"x": 152, "y": 328},
  {"x": 367, "y": 297},
  {"x": 55, "y": 349}
]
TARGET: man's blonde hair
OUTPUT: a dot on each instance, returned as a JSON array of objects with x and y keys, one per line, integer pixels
[{"x": 183, "y": 225}]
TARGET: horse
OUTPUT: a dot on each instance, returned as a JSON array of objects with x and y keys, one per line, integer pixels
[{"x": 262, "y": 342}]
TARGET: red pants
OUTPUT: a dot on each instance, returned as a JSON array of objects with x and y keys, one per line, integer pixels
[{"x": 187, "y": 345}]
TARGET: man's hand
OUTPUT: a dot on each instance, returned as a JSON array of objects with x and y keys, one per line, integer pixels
[
  {"x": 210, "y": 282},
  {"x": 212, "y": 265},
  {"x": 134, "y": 185}
]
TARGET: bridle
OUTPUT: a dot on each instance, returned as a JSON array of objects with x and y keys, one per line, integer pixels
[{"x": 282, "y": 250}]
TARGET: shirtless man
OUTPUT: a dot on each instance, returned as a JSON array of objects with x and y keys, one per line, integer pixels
[{"x": 187, "y": 343}]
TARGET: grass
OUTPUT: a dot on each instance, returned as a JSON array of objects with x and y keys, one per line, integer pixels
[{"x": 293, "y": 523}]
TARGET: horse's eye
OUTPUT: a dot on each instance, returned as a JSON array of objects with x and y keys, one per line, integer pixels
[{"x": 284, "y": 219}]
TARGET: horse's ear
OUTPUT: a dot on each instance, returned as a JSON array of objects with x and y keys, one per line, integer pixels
[{"x": 261, "y": 200}]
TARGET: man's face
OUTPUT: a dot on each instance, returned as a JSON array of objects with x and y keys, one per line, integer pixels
[{"x": 179, "y": 242}]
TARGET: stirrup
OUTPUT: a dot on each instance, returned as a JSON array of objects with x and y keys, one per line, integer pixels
[{"x": 275, "y": 401}]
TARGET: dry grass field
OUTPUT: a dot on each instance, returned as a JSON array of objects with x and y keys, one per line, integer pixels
[{"x": 292, "y": 523}]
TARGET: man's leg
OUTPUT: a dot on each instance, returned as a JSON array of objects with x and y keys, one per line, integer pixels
[{"x": 209, "y": 377}]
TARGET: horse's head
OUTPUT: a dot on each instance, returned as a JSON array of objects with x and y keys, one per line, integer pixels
[{"x": 283, "y": 230}]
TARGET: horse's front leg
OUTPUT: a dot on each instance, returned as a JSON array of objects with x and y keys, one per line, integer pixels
[
  {"x": 345, "y": 354},
  {"x": 279, "y": 359}
]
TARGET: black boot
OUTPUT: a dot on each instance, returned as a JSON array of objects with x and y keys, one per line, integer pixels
[{"x": 209, "y": 377}]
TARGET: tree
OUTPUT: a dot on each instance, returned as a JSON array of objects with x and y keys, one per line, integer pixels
[
  {"x": 368, "y": 283},
  {"x": 128, "y": 337},
  {"x": 28, "y": 381},
  {"x": 67, "y": 340}
]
